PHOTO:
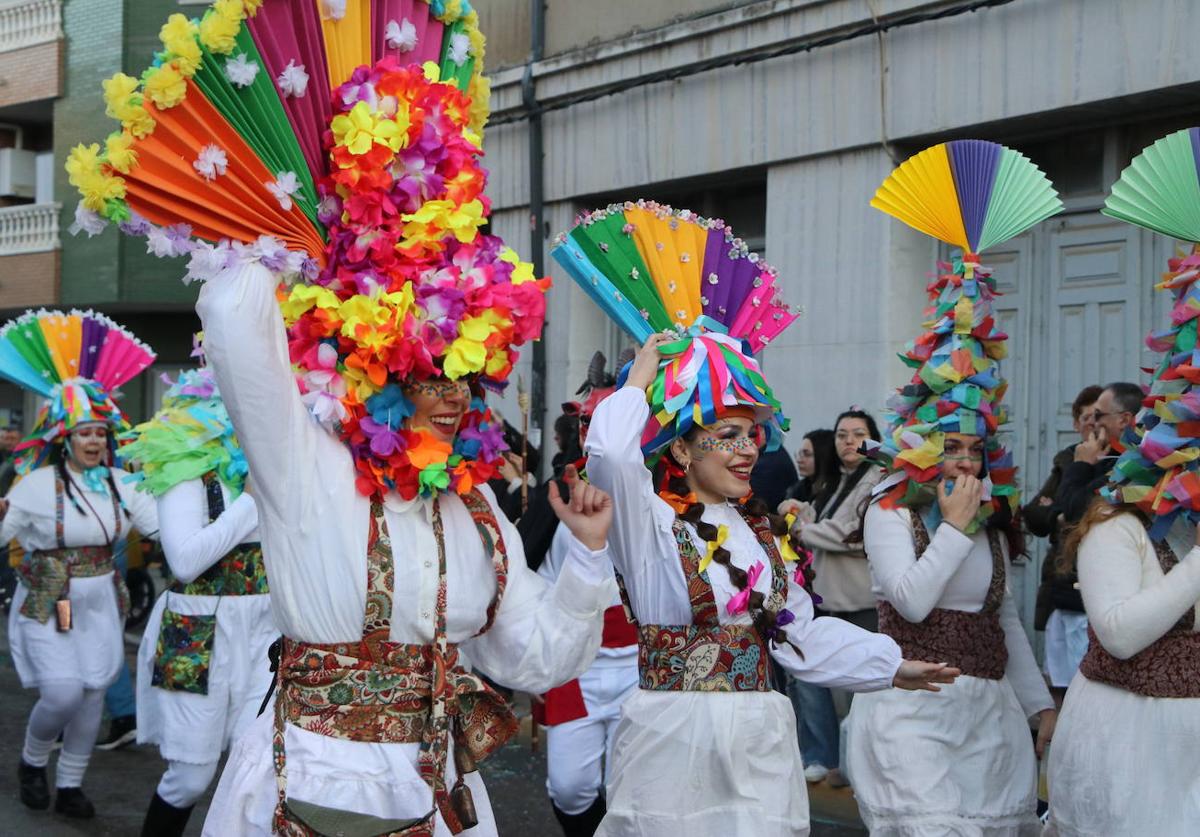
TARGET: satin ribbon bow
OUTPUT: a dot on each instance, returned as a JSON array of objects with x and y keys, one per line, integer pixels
[
  {"x": 782, "y": 619},
  {"x": 722, "y": 534},
  {"x": 785, "y": 540},
  {"x": 740, "y": 602}
]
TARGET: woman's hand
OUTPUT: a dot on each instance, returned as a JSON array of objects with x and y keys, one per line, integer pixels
[
  {"x": 589, "y": 512},
  {"x": 787, "y": 507},
  {"x": 917, "y": 676},
  {"x": 960, "y": 507},
  {"x": 645, "y": 364},
  {"x": 1047, "y": 720},
  {"x": 508, "y": 469}
]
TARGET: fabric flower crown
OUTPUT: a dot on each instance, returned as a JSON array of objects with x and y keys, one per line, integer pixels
[
  {"x": 338, "y": 144},
  {"x": 190, "y": 436}
]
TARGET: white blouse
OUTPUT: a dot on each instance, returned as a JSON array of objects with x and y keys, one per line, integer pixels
[
  {"x": 31, "y": 512},
  {"x": 190, "y": 543},
  {"x": 644, "y": 550},
  {"x": 953, "y": 573},
  {"x": 1130, "y": 602}
]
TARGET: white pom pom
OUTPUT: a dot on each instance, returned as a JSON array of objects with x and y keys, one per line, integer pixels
[
  {"x": 211, "y": 163},
  {"x": 401, "y": 36},
  {"x": 241, "y": 71},
  {"x": 293, "y": 81}
]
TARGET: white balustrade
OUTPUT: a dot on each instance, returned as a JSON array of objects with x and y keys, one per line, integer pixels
[
  {"x": 29, "y": 229},
  {"x": 26, "y": 23}
]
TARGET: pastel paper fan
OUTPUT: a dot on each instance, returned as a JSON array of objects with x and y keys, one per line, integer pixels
[{"x": 1160, "y": 189}]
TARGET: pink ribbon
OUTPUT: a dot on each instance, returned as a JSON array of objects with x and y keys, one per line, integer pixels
[{"x": 741, "y": 601}]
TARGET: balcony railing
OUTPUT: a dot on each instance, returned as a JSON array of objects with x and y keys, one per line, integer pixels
[
  {"x": 27, "y": 23},
  {"x": 29, "y": 229}
]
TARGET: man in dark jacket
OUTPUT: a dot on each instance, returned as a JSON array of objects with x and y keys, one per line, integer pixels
[{"x": 1116, "y": 409}]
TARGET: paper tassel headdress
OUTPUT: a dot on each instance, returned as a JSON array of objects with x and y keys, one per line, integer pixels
[
  {"x": 1159, "y": 470},
  {"x": 651, "y": 269},
  {"x": 338, "y": 143},
  {"x": 973, "y": 195},
  {"x": 75, "y": 361}
]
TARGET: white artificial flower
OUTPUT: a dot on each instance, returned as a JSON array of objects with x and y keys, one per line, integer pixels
[
  {"x": 283, "y": 187},
  {"x": 401, "y": 36},
  {"x": 211, "y": 163},
  {"x": 87, "y": 221},
  {"x": 241, "y": 70},
  {"x": 333, "y": 9},
  {"x": 206, "y": 262},
  {"x": 159, "y": 243},
  {"x": 460, "y": 45},
  {"x": 293, "y": 81}
]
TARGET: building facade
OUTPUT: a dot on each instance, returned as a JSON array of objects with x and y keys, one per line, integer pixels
[{"x": 783, "y": 116}]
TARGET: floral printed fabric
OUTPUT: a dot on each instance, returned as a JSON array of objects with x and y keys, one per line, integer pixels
[
  {"x": 973, "y": 642},
  {"x": 184, "y": 652},
  {"x": 240, "y": 573},
  {"x": 1168, "y": 668},
  {"x": 47, "y": 574}
]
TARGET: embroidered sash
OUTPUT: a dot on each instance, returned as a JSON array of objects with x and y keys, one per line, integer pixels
[
  {"x": 973, "y": 642},
  {"x": 1168, "y": 668},
  {"x": 387, "y": 692}
]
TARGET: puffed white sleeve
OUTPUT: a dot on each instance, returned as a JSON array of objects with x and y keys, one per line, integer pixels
[
  {"x": 27, "y": 512},
  {"x": 1022, "y": 668},
  {"x": 246, "y": 346},
  {"x": 1126, "y": 616},
  {"x": 191, "y": 544},
  {"x": 143, "y": 511},
  {"x": 545, "y": 633},
  {"x": 833, "y": 652},
  {"x": 914, "y": 587}
]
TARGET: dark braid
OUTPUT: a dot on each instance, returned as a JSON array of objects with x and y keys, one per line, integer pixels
[{"x": 65, "y": 477}]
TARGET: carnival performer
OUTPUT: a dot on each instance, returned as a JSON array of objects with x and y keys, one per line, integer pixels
[
  {"x": 337, "y": 146},
  {"x": 1125, "y": 761},
  {"x": 581, "y": 716},
  {"x": 940, "y": 535},
  {"x": 202, "y": 665},
  {"x": 71, "y": 505},
  {"x": 705, "y": 746}
]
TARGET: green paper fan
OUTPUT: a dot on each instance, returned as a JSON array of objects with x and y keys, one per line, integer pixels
[{"x": 1160, "y": 189}]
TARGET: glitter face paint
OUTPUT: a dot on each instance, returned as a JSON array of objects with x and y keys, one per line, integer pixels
[
  {"x": 718, "y": 444},
  {"x": 441, "y": 389}
]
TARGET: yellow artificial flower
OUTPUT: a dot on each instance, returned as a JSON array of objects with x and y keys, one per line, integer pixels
[
  {"x": 165, "y": 86},
  {"x": 467, "y": 354},
  {"x": 432, "y": 71},
  {"x": 361, "y": 128},
  {"x": 304, "y": 297},
  {"x": 522, "y": 271},
  {"x": 475, "y": 35},
  {"x": 97, "y": 189},
  {"x": 138, "y": 122},
  {"x": 360, "y": 310},
  {"x": 118, "y": 92},
  {"x": 250, "y": 7},
  {"x": 497, "y": 362},
  {"x": 118, "y": 150},
  {"x": 451, "y": 11},
  {"x": 178, "y": 36},
  {"x": 219, "y": 27},
  {"x": 82, "y": 161},
  {"x": 480, "y": 92}
]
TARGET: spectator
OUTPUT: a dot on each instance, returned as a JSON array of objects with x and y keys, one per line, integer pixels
[
  {"x": 819, "y": 468},
  {"x": 1059, "y": 609},
  {"x": 10, "y": 437},
  {"x": 1116, "y": 409}
]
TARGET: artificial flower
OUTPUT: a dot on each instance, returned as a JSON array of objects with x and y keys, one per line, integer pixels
[
  {"x": 293, "y": 80},
  {"x": 219, "y": 26},
  {"x": 178, "y": 36},
  {"x": 241, "y": 71},
  {"x": 361, "y": 128},
  {"x": 119, "y": 153},
  {"x": 87, "y": 221},
  {"x": 211, "y": 163},
  {"x": 165, "y": 86},
  {"x": 283, "y": 187},
  {"x": 401, "y": 35}
]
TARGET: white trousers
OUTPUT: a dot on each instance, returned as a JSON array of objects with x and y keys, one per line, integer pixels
[{"x": 577, "y": 751}]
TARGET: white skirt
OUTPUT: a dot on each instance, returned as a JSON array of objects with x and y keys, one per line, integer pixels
[
  {"x": 195, "y": 728},
  {"x": 955, "y": 762},
  {"x": 90, "y": 653},
  {"x": 376, "y": 779},
  {"x": 1066, "y": 643},
  {"x": 706, "y": 764},
  {"x": 1124, "y": 765}
]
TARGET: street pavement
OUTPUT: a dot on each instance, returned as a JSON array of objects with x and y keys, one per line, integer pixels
[{"x": 120, "y": 783}]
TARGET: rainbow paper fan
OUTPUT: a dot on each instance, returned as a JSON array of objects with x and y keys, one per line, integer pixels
[
  {"x": 971, "y": 194},
  {"x": 1160, "y": 189},
  {"x": 651, "y": 268}
]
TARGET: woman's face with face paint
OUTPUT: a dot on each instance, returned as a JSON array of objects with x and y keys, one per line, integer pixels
[
  {"x": 963, "y": 456},
  {"x": 721, "y": 458},
  {"x": 87, "y": 446},
  {"x": 439, "y": 406}
]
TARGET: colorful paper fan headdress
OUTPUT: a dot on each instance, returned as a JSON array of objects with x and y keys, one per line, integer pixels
[
  {"x": 75, "y": 361},
  {"x": 973, "y": 195},
  {"x": 652, "y": 269},
  {"x": 1159, "y": 470},
  {"x": 190, "y": 436},
  {"x": 338, "y": 142}
]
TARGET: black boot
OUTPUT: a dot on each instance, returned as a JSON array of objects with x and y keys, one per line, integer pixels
[
  {"x": 581, "y": 825},
  {"x": 35, "y": 793},
  {"x": 165, "y": 820},
  {"x": 70, "y": 802}
]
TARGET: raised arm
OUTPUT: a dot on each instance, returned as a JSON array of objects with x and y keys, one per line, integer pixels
[
  {"x": 246, "y": 346},
  {"x": 190, "y": 544},
  {"x": 1126, "y": 616}
]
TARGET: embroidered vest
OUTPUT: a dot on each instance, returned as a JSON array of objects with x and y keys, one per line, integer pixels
[
  {"x": 973, "y": 642},
  {"x": 1168, "y": 668},
  {"x": 241, "y": 572},
  {"x": 47, "y": 573},
  {"x": 381, "y": 691},
  {"x": 706, "y": 656}
]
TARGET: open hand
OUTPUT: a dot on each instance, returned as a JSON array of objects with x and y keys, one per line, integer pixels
[
  {"x": 917, "y": 676},
  {"x": 1047, "y": 719},
  {"x": 588, "y": 513},
  {"x": 960, "y": 507}
]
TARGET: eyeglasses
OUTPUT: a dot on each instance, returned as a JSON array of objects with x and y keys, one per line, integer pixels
[{"x": 1098, "y": 414}]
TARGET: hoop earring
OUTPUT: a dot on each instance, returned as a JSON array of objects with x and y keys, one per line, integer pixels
[{"x": 687, "y": 466}]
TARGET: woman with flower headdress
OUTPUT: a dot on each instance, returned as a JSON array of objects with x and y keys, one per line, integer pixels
[
  {"x": 1125, "y": 760},
  {"x": 705, "y": 746},
  {"x": 67, "y": 623},
  {"x": 202, "y": 664},
  {"x": 939, "y": 536}
]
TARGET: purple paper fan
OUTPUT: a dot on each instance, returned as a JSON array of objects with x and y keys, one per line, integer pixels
[
  {"x": 735, "y": 277},
  {"x": 92, "y": 337},
  {"x": 974, "y": 164}
]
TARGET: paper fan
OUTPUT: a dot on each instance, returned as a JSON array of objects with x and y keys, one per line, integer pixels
[
  {"x": 652, "y": 268},
  {"x": 227, "y": 136},
  {"x": 1160, "y": 189},
  {"x": 971, "y": 194},
  {"x": 42, "y": 349}
]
